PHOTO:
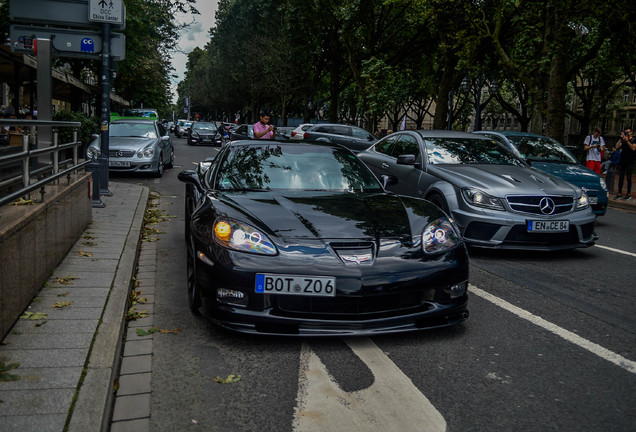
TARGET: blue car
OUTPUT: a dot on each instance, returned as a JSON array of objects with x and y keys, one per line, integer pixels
[{"x": 550, "y": 156}]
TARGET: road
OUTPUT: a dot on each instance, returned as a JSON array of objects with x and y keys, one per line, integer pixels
[{"x": 550, "y": 345}]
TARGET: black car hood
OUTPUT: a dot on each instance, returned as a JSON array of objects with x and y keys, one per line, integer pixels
[{"x": 321, "y": 215}]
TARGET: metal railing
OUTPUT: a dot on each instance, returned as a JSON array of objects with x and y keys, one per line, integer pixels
[{"x": 25, "y": 169}]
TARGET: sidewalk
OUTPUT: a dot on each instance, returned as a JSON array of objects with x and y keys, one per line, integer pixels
[{"x": 69, "y": 359}]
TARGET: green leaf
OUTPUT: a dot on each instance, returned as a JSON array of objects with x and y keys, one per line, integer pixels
[{"x": 229, "y": 380}]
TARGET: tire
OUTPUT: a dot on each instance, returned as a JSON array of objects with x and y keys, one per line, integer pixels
[
  {"x": 188, "y": 213},
  {"x": 440, "y": 202},
  {"x": 160, "y": 167},
  {"x": 170, "y": 163},
  {"x": 194, "y": 296}
]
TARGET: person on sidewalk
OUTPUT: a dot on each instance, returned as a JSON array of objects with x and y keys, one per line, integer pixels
[
  {"x": 262, "y": 128},
  {"x": 627, "y": 147},
  {"x": 609, "y": 168},
  {"x": 594, "y": 145}
]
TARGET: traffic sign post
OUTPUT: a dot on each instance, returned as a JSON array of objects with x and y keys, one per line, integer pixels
[
  {"x": 106, "y": 11},
  {"x": 105, "y": 118}
]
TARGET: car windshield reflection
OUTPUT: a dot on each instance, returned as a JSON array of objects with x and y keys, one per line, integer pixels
[
  {"x": 542, "y": 149},
  {"x": 302, "y": 167},
  {"x": 207, "y": 127},
  {"x": 468, "y": 151},
  {"x": 139, "y": 130}
]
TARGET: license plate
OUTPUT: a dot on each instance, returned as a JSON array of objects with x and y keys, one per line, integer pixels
[
  {"x": 593, "y": 199},
  {"x": 118, "y": 163},
  {"x": 267, "y": 283},
  {"x": 548, "y": 226}
]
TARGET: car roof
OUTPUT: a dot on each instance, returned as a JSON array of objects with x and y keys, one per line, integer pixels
[
  {"x": 440, "y": 133},
  {"x": 285, "y": 143},
  {"x": 513, "y": 133},
  {"x": 134, "y": 120}
]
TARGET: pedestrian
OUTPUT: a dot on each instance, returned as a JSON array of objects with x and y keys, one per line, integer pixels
[
  {"x": 262, "y": 128},
  {"x": 627, "y": 146},
  {"x": 610, "y": 166},
  {"x": 594, "y": 145}
]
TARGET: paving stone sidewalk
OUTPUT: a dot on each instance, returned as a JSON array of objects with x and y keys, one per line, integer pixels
[{"x": 70, "y": 358}]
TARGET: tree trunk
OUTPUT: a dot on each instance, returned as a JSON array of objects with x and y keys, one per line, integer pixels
[{"x": 557, "y": 90}]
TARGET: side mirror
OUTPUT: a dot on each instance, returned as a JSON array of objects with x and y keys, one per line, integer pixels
[
  {"x": 192, "y": 178},
  {"x": 165, "y": 138},
  {"x": 406, "y": 159}
]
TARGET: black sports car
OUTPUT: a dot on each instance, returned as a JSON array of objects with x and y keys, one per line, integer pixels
[{"x": 295, "y": 238}]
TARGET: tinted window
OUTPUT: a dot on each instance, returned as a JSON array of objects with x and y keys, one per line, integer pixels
[
  {"x": 386, "y": 145},
  {"x": 406, "y": 145},
  {"x": 341, "y": 130},
  {"x": 542, "y": 149},
  {"x": 361, "y": 133},
  {"x": 270, "y": 167},
  {"x": 323, "y": 129},
  {"x": 468, "y": 151}
]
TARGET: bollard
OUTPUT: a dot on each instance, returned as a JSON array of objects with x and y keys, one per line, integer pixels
[{"x": 93, "y": 167}]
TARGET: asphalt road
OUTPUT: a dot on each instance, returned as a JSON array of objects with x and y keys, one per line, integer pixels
[{"x": 550, "y": 345}]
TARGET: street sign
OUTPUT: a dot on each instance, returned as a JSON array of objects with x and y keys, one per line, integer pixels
[
  {"x": 106, "y": 11},
  {"x": 66, "y": 42},
  {"x": 66, "y": 13}
]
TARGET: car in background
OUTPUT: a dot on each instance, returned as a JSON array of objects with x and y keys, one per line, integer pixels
[
  {"x": 495, "y": 198},
  {"x": 242, "y": 132},
  {"x": 182, "y": 128},
  {"x": 204, "y": 133},
  {"x": 137, "y": 146},
  {"x": 299, "y": 132},
  {"x": 354, "y": 138},
  {"x": 150, "y": 113},
  {"x": 284, "y": 131},
  {"x": 549, "y": 155},
  {"x": 300, "y": 239}
]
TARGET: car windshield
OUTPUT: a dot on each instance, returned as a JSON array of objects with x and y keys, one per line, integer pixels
[
  {"x": 295, "y": 167},
  {"x": 140, "y": 130},
  {"x": 468, "y": 151},
  {"x": 204, "y": 127},
  {"x": 542, "y": 149}
]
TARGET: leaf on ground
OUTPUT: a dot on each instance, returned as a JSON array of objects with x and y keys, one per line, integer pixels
[
  {"x": 142, "y": 332},
  {"x": 4, "y": 371},
  {"x": 229, "y": 380},
  {"x": 61, "y": 304},
  {"x": 64, "y": 294},
  {"x": 36, "y": 299},
  {"x": 88, "y": 236},
  {"x": 65, "y": 280},
  {"x": 85, "y": 254},
  {"x": 34, "y": 315},
  {"x": 173, "y": 331},
  {"x": 88, "y": 243},
  {"x": 22, "y": 201}
]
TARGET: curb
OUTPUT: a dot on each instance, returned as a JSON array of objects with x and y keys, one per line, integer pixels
[{"x": 94, "y": 398}]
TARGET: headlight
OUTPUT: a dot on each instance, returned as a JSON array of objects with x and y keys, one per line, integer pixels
[
  {"x": 603, "y": 184},
  {"x": 241, "y": 237},
  {"x": 482, "y": 199},
  {"x": 92, "y": 152},
  {"x": 146, "y": 153},
  {"x": 583, "y": 202},
  {"x": 440, "y": 236}
]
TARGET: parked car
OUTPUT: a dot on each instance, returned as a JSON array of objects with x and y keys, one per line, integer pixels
[
  {"x": 244, "y": 131},
  {"x": 497, "y": 200},
  {"x": 299, "y": 132},
  {"x": 137, "y": 145},
  {"x": 300, "y": 238},
  {"x": 204, "y": 133},
  {"x": 549, "y": 155},
  {"x": 354, "y": 138}
]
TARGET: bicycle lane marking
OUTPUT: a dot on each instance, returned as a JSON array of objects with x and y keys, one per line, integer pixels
[
  {"x": 391, "y": 404},
  {"x": 590, "y": 346}
]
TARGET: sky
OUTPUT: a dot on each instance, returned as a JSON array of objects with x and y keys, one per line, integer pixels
[{"x": 197, "y": 35}]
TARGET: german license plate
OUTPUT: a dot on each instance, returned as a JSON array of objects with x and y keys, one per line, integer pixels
[
  {"x": 118, "y": 163},
  {"x": 548, "y": 226},
  {"x": 267, "y": 283},
  {"x": 593, "y": 199}
]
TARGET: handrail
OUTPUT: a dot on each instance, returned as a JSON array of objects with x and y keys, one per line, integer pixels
[{"x": 31, "y": 176}]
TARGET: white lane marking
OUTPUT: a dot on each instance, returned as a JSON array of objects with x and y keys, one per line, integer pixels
[
  {"x": 391, "y": 404},
  {"x": 592, "y": 347},
  {"x": 616, "y": 250}
]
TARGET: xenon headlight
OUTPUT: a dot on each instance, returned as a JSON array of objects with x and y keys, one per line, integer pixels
[
  {"x": 146, "y": 153},
  {"x": 440, "y": 236},
  {"x": 241, "y": 237},
  {"x": 583, "y": 202},
  {"x": 482, "y": 199}
]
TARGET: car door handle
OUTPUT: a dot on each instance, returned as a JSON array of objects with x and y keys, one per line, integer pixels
[{"x": 385, "y": 165}]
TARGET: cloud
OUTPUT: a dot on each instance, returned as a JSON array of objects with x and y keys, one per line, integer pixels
[{"x": 196, "y": 35}]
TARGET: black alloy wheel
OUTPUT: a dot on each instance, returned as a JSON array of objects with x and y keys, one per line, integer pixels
[{"x": 160, "y": 166}]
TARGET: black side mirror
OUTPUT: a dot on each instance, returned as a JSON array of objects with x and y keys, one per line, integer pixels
[
  {"x": 191, "y": 177},
  {"x": 406, "y": 159}
]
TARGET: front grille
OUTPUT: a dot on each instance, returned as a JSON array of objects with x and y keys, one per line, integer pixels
[
  {"x": 121, "y": 153},
  {"x": 519, "y": 234},
  {"x": 538, "y": 204},
  {"x": 352, "y": 307}
]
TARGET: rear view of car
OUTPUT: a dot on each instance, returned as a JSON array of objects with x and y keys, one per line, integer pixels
[{"x": 354, "y": 138}]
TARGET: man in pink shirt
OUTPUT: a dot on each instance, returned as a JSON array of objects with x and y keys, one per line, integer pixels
[{"x": 262, "y": 128}]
